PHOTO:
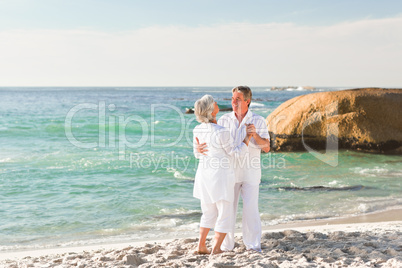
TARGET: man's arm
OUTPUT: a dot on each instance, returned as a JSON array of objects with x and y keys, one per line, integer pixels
[
  {"x": 263, "y": 143},
  {"x": 201, "y": 148}
]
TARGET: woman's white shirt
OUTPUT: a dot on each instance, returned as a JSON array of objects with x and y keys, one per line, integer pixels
[{"x": 215, "y": 177}]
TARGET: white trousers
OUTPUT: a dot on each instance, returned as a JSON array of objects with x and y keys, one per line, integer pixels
[
  {"x": 217, "y": 215},
  {"x": 251, "y": 222}
]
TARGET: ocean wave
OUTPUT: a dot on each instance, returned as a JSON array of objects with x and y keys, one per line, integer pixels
[
  {"x": 178, "y": 174},
  {"x": 187, "y": 215},
  {"x": 370, "y": 205},
  {"x": 5, "y": 160},
  {"x": 267, "y": 220},
  {"x": 256, "y": 104},
  {"x": 376, "y": 172},
  {"x": 323, "y": 188},
  {"x": 295, "y": 89},
  {"x": 360, "y": 209},
  {"x": 305, "y": 88},
  {"x": 215, "y": 91}
]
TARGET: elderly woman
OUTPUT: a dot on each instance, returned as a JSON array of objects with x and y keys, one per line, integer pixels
[{"x": 215, "y": 178}]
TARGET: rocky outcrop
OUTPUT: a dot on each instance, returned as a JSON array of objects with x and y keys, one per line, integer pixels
[
  {"x": 368, "y": 119},
  {"x": 225, "y": 109}
]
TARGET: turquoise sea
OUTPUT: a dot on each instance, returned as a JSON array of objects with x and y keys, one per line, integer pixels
[{"x": 81, "y": 166}]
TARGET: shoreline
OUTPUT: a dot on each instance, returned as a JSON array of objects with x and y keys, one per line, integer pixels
[
  {"x": 390, "y": 220},
  {"x": 390, "y": 215}
]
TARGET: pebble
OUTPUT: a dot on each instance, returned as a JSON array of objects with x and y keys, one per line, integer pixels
[{"x": 132, "y": 260}]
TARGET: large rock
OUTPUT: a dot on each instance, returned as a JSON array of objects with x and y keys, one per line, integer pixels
[{"x": 368, "y": 119}]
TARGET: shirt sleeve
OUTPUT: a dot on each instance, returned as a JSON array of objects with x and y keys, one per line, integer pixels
[{"x": 262, "y": 128}]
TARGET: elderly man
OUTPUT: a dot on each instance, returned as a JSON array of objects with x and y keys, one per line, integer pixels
[{"x": 241, "y": 122}]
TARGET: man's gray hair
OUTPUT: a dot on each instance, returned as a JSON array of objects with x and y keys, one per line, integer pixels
[
  {"x": 247, "y": 94},
  {"x": 203, "y": 109}
]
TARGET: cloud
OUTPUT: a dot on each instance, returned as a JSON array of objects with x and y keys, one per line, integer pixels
[{"x": 356, "y": 53}]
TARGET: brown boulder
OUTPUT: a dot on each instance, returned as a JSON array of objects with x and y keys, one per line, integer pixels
[{"x": 368, "y": 119}]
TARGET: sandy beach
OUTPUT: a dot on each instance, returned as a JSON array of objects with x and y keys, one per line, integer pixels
[{"x": 372, "y": 240}]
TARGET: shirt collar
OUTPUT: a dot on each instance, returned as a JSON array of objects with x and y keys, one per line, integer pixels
[{"x": 249, "y": 114}]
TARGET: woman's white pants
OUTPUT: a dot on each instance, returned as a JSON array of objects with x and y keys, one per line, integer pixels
[{"x": 217, "y": 215}]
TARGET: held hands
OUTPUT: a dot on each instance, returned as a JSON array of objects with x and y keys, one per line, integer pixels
[
  {"x": 201, "y": 148},
  {"x": 261, "y": 142},
  {"x": 251, "y": 131}
]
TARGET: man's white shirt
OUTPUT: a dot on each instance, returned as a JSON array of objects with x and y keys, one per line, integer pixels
[{"x": 248, "y": 168}]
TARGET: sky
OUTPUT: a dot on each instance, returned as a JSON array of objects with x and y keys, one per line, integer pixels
[{"x": 355, "y": 43}]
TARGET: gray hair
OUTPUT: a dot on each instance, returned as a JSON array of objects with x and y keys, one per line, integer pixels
[
  {"x": 246, "y": 91},
  {"x": 203, "y": 109}
]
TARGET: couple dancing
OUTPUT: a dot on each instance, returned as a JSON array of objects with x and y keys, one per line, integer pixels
[{"x": 229, "y": 166}]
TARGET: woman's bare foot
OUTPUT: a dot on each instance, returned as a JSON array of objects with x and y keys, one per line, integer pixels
[
  {"x": 216, "y": 251},
  {"x": 218, "y": 239},
  {"x": 203, "y": 250}
]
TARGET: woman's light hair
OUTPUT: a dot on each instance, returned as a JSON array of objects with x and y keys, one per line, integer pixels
[
  {"x": 203, "y": 109},
  {"x": 246, "y": 92}
]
